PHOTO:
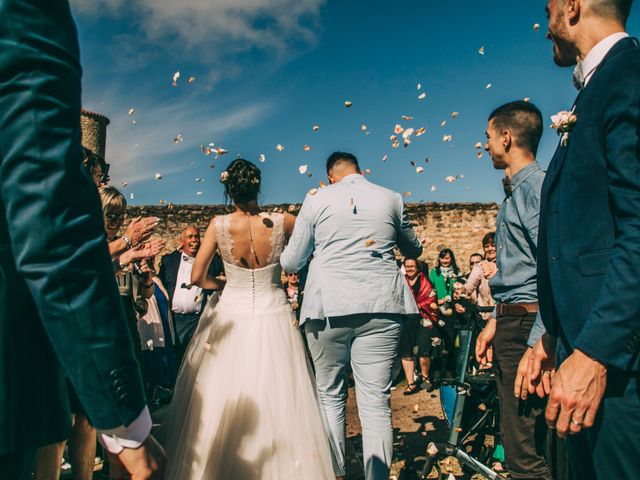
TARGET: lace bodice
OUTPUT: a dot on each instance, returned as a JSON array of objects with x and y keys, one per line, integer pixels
[{"x": 237, "y": 274}]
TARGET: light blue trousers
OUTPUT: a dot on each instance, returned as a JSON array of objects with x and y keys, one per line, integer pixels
[{"x": 370, "y": 344}]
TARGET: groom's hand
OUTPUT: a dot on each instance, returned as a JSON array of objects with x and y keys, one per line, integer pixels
[{"x": 147, "y": 462}]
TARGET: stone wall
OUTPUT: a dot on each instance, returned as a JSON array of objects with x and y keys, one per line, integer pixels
[{"x": 459, "y": 226}]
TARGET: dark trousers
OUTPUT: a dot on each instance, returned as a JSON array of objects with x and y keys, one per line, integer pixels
[
  {"x": 522, "y": 424},
  {"x": 611, "y": 448},
  {"x": 17, "y": 466},
  {"x": 185, "y": 325}
]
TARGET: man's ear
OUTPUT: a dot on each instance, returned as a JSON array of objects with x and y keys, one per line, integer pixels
[
  {"x": 507, "y": 140},
  {"x": 330, "y": 178},
  {"x": 573, "y": 8}
]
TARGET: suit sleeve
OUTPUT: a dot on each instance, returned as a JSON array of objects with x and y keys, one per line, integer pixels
[
  {"x": 611, "y": 333},
  {"x": 51, "y": 212},
  {"x": 300, "y": 247},
  {"x": 407, "y": 240}
]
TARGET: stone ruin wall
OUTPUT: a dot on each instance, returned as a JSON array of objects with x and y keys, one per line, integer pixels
[{"x": 459, "y": 226}]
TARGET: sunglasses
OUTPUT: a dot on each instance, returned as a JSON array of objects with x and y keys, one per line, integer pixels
[{"x": 115, "y": 218}]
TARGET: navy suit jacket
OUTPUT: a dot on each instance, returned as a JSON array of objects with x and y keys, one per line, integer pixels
[
  {"x": 589, "y": 238},
  {"x": 170, "y": 264},
  {"x": 60, "y": 311}
]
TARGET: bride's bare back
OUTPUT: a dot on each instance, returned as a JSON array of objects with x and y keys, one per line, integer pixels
[{"x": 246, "y": 240}]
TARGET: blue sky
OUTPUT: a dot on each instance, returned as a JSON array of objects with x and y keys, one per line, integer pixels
[{"x": 266, "y": 71}]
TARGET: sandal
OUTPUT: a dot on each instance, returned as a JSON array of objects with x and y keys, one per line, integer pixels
[{"x": 411, "y": 389}]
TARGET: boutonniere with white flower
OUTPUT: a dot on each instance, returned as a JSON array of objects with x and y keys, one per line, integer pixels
[{"x": 563, "y": 123}]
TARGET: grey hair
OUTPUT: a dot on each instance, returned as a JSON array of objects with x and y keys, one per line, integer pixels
[{"x": 614, "y": 9}]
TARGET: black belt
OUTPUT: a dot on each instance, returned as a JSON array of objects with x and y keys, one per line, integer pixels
[{"x": 515, "y": 309}]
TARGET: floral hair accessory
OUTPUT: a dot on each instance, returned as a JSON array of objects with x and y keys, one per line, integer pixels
[
  {"x": 224, "y": 176},
  {"x": 563, "y": 123}
]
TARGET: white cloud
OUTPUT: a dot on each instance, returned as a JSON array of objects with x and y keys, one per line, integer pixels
[{"x": 215, "y": 29}]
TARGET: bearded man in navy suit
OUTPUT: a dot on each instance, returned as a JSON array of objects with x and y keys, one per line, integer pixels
[{"x": 589, "y": 246}]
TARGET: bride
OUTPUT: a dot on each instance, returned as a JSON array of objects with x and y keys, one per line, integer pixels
[{"x": 245, "y": 405}]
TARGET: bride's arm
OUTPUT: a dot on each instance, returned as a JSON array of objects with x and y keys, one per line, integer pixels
[
  {"x": 289, "y": 223},
  {"x": 205, "y": 254}
]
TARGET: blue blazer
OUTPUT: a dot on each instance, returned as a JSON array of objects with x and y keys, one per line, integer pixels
[
  {"x": 589, "y": 237},
  {"x": 351, "y": 228}
]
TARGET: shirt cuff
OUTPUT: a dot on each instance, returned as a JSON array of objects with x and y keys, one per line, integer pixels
[
  {"x": 537, "y": 330},
  {"x": 117, "y": 439}
]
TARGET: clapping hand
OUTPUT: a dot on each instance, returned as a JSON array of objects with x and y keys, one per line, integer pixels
[
  {"x": 489, "y": 269},
  {"x": 145, "y": 250},
  {"x": 140, "y": 229}
]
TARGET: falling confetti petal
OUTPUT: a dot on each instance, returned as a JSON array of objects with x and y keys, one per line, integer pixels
[
  {"x": 198, "y": 193},
  {"x": 158, "y": 176},
  {"x": 315, "y": 128},
  {"x": 536, "y": 27},
  {"x": 191, "y": 79},
  {"x": 368, "y": 243},
  {"x": 219, "y": 151},
  {"x": 421, "y": 131},
  {"x": 451, "y": 179},
  {"x": 406, "y": 194},
  {"x": 433, "y": 188},
  {"x": 279, "y": 148},
  {"x": 133, "y": 122},
  {"x": 262, "y": 158},
  {"x": 419, "y": 86},
  {"x": 481, "y": 51},
  {"x": 131, "y": 196},
  {"x": 398, "y": 129},
  {"x": 479, "y": 145},
  {"x": 488, "y": 86},
  {"x": 323, "y": 184},
  {"x": 443, "y": 123},
  {"x": 384, "y": 159},
  {"x": 479, "y": 154},
  {"x": 123, "y": 184},
  {"x": 177, "y": 139},
  {"x": 526, "y": 99},
  {"x": 348, "y": 104},
  {"x": 454, "y": 114},
  {"x": 395, "y": 144},
  {"x": 408, "y": 118},
  {"x": 422, "y": 96},
  {"x": 306, "y": 148},
  {"x": 447, "y": 138},
  {"x": 303, "y": 169},
  {"x": 419, "y": 169},
  {"x": 176, "y": 76},
  {"x": 131, "y": 111},
  {"x": 313, "y": 191}
]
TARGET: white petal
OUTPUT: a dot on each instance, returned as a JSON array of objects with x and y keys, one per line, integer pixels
[
  {"x": 158, "y": 176},
  {"x": 279, "y": 148},
  {"x": 262, "y": 158},
  {"x": 422, "y": 96},
  {"x": 131, "y": 111},
  {"x": 348, "y": 103},
  {"x": 303, "y": 169},
  {"x": 419, "y": 169}
]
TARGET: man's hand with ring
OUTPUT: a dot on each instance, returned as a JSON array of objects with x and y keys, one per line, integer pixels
[
  {"x": 577, "y": 390},
  {"x": 140, "y": 229}
]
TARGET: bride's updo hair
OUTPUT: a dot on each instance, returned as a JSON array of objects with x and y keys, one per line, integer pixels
[{"x": 241, "y": 181}]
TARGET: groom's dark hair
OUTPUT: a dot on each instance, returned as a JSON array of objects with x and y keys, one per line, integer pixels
[
  {"x": 523, "y": 119},
  {"x": 617, "y": 9},
  {"x": 341, "y": 157}
]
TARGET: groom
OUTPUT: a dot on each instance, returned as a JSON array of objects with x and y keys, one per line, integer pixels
[{"x": 355, "y": 300}]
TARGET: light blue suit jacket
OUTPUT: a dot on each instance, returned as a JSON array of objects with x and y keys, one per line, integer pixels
[{"x": 351, "y": 228}]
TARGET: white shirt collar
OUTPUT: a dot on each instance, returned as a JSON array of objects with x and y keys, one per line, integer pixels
[{"x": 588, "y": 66}]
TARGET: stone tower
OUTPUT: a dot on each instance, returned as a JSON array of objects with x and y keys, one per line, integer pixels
[{"x": 94, "y": 132}]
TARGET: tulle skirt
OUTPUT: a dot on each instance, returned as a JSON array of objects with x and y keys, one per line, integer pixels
[{"x": 245, "y": 405}]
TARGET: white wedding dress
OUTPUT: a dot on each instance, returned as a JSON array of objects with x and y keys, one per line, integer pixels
[{"x": 245, "y": 404}]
